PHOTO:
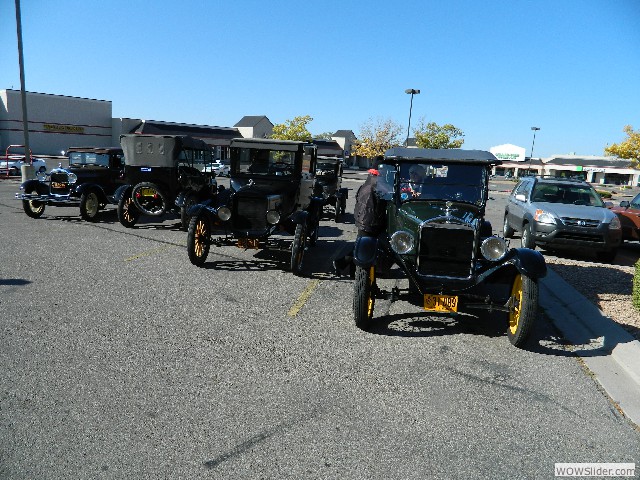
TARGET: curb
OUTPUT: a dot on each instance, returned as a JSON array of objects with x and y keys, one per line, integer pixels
[{"x": 608, "y": 350}]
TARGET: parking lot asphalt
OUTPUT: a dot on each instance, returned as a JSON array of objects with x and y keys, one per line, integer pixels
[{"x": 122, "y": 360}]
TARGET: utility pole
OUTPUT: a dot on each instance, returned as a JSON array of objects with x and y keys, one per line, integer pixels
[{"x": 27, "y": 168}]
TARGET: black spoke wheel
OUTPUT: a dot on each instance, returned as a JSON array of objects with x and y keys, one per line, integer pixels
[
  {"x": 185, "y": 219},
  {"x": 128, "y": 214},
  {"x": 198, "y": 239},
  {"x": 523, "y": 305},
  {"x": 89, "y": 206},
  {"x": 363, "y": 296},
  {"x": 297, "y": 248}
]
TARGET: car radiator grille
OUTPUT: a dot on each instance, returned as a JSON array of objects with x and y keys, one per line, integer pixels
[
  {"x": 580, "y": 237},
  {"x": 580, "y": 222},
  {"x": 249, "y": 214},
  {"x": 446, "y": 252},
  {"x": 59, "y": 183}
]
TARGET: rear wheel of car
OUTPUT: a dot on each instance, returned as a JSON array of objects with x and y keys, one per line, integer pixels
[
  {"x": 185, "y": 219},
  {"x": 198, "y": 239},
  {"x": 128, "y": 214},
  {"x": 523, "y": 309},
  {"x": 89, "y": 206},
  {"x": 33, "y": 208},
  {"x": 507, "y": 231},
  {"x": 297, "y": 248},
  {"x": 363, "y": 296},
  {"x": 527, "y": 240}
]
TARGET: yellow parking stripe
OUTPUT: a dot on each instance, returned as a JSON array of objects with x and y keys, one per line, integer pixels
[
  {"x": 148, "y": 253},
  {"x": 302, "y": 299}
]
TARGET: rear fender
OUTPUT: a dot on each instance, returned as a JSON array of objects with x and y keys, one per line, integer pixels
[
  {"x": 300, "y": 216},
  {"x": 121, "y": 192},
  {"x": 365, "y": 251},
  {"x": 86, "y": 187}
]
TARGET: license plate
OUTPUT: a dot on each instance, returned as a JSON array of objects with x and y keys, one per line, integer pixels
[
  {"x": 147, "y": 192},
  {"x": 440, "y": 303},
  {"x": 58, "y": 185}
]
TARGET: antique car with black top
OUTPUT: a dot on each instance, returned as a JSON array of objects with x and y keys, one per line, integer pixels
[
  {"x": 90, "y": 182},
  {"x": 164, "y": 173},
  {"x": 271, "y": 191},
  {"x": 329, "y": 185},
  {"x": 432, "y": 203}
]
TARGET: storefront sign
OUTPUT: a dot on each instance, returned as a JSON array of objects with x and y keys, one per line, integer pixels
[{"x": 54, "y": 127}]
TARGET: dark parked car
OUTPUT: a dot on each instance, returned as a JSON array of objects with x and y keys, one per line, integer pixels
[
  {"x": 164, "y": 173},
  {"x": 90, "y": 182},
  {"x": 629, "y": 215},
  {"x": 562, "y": 214},
  {"x": 432, "y": 204},
  {"x": 329, "y": 185},
  {"x": 271, "y": 189}
]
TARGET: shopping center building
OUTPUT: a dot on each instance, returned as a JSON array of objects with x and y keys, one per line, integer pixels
[{"x": 57, "y": 122}]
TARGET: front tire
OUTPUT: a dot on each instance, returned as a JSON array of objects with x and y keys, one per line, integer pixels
[
  {"x": 363, "y": 297},
  {"x": 524, "y": 309},
  {"x": 128, "y": 214},
  {"x": 33, "y": 208},
  {"x": 89, "y": 206},
  {"x": 527, "y": 240},
  {"x": 198, "y": 239},
  {"x": 297, "y": 248},
  {"x": 507, "y": 231}
]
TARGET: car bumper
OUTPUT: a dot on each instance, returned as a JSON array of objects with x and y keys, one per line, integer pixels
[
  {"x": 49, "y": 199},
  {"x": 564, "y": 236}
]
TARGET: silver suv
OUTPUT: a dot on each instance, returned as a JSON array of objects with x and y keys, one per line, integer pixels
[{"x": 561, "y": 213}]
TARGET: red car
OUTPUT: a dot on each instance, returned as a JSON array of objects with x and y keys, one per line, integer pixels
[{"x": 629, "y": 214}]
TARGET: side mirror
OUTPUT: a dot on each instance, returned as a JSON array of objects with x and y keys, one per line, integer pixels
[
  {"x": 608, "y": 204},
  {"x": 625, "y": 204},
  {"x": 520, "y": 197}
]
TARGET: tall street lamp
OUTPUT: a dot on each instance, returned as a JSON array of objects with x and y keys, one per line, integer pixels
[
  {"x": 535, "y": 129},
  {"x": 413, "y": 92}
]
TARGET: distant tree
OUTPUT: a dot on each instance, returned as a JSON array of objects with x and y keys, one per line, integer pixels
[
  {"x": 323, "y": 136},
  {"x": 432, "y": 135},
  {"x": 295, "y": 129},
  {"x": 629, "y": 148},
  {"x": 376, "y": 137}
]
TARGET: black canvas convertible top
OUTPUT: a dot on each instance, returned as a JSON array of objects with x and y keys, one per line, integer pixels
[
  {"x": 451, "y": 155},
  {"x": 158, "y": 150}
]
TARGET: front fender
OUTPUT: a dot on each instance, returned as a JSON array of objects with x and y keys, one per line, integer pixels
[
  {"x": 37, "y": 185},
  {"x": 299, "y": 217},
  {"x": 205, "y": 207},
  {"x": 365, "y": 251},
  {"x": 528, "y": 262}
]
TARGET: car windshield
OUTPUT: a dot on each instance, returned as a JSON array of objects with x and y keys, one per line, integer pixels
[
  {"x": 266, "y": 162},
  {"x": 326, "y": 168},
  {"x": 567, "y": 194},
  {"x": 433, "y": 181},
  {"x": 88, "y": 158}
]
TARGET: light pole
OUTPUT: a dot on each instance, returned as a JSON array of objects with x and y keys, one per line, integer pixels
[
  {"x": 535, "y": 129},
  {"x": 413, "y": 92}
]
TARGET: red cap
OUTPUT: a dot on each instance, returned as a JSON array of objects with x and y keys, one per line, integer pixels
[{"x": 373, "y": 171}]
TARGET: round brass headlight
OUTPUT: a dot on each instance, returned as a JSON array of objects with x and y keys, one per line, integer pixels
[
  {"x": 224, "y": 213},
  {"x": 273, "y": 217},
  {"x": 493, "y": 248},
  {"x": 402, "y": 242}
]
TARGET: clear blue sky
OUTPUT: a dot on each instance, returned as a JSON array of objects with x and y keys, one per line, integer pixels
[{"x": 492, "y": 68}]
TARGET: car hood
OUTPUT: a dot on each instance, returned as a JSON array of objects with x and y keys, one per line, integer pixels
[{"x": 585, "y": 212}]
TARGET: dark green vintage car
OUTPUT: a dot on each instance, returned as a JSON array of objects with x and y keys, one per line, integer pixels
[{"x": 433, "y": 204}]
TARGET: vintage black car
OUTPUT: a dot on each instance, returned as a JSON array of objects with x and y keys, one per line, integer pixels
[
  {"x": 271, "y": 190},
  {"x": 90, "y": 182},
  {"x": 163, "y": 173},
  {"x": 433, "y": 204},
  {"x": 329, "y": 185}
]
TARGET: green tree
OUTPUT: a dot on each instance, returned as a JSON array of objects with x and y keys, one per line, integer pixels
[
  {"x": 628, "y": 149},
  {"x": 432, "y": 135},
  {"x": 376, "y": 137},
  {"x": 323, "y": 136},
  {"x": 295, "y": 129}
]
